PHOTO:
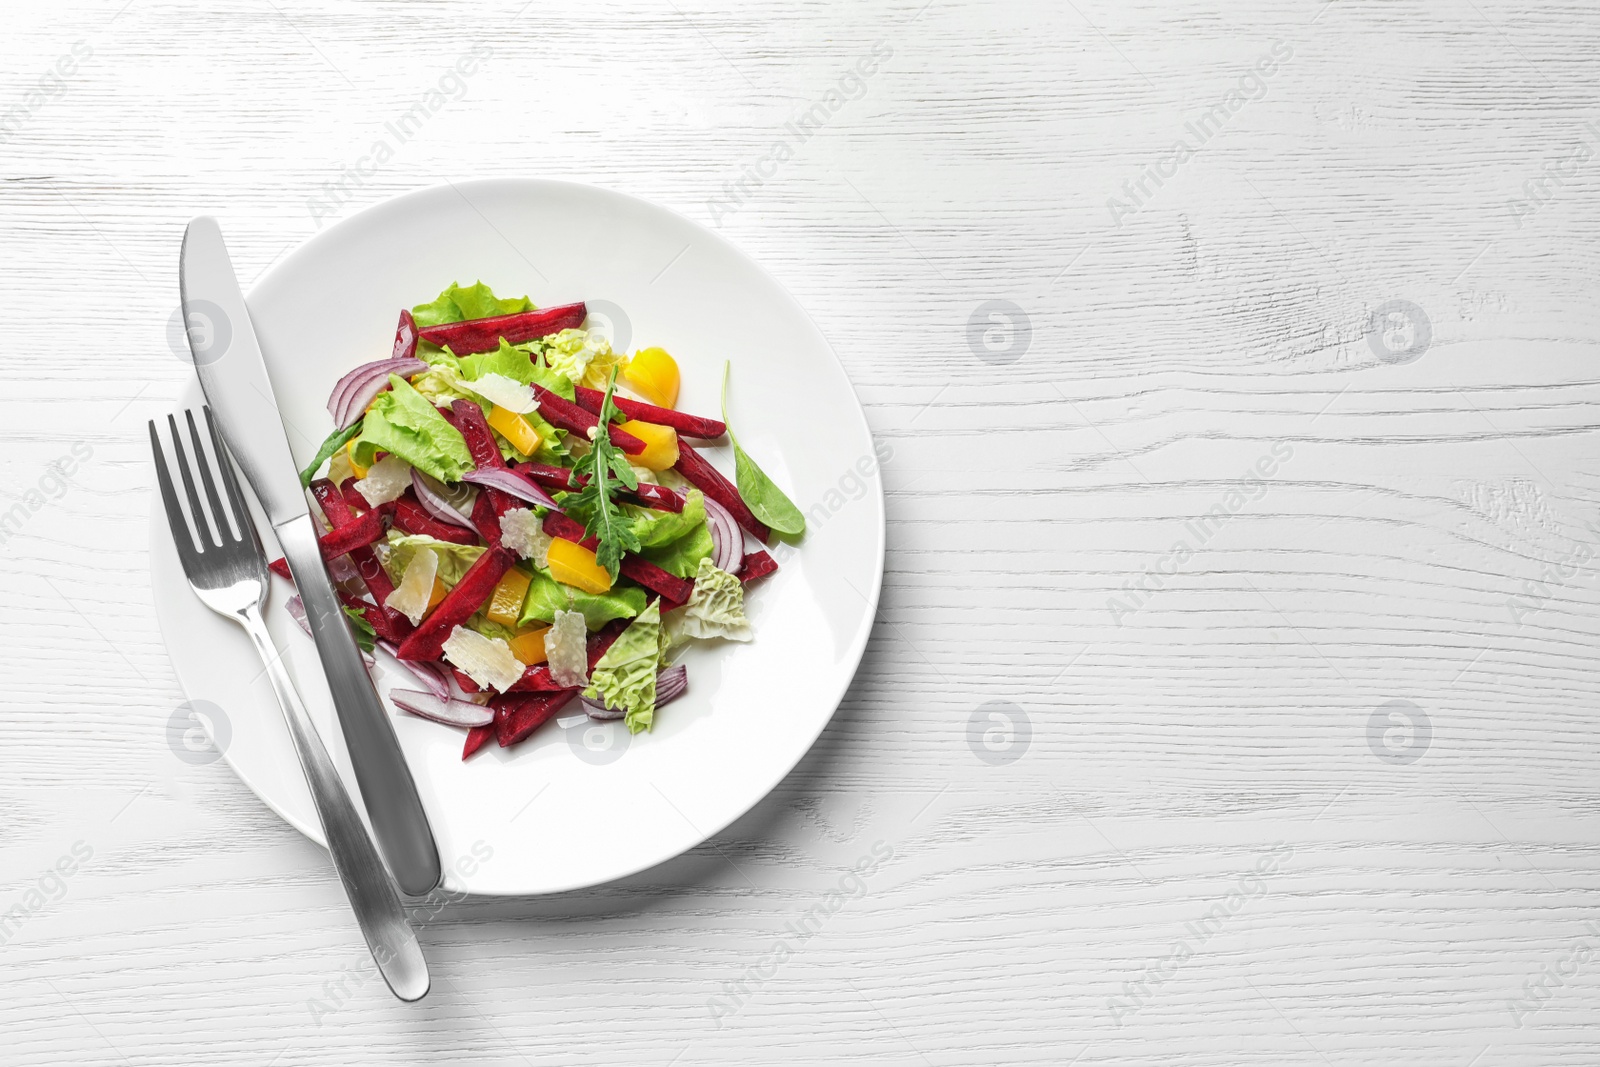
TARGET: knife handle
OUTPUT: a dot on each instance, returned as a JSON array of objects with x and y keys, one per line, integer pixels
[
  {"x": 387, "y": 789},
  {"x": 379, "y": 912}
]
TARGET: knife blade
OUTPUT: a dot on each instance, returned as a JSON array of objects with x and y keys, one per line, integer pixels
[{"x": 233, "y": 376}]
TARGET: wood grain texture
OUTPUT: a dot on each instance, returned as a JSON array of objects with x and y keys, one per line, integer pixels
[{"x": 1198, "y": 856}]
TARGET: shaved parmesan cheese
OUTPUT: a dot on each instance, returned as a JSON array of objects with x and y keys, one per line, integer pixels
[
  {"x": 523, "y": 532},
  {"x": 486, "y": 660},
  {"x": 387, "y": 480},
  {"x": 566, "y": 646},
  {"x": 410, "y": 598},
  {"x": 505, "y": 392}
]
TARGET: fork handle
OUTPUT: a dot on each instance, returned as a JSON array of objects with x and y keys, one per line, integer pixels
[
  {"x": 372, "y": 892},
  {"x": 387, "y": 788}
]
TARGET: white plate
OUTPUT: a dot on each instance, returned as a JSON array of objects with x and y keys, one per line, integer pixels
[{"x": 562, "y": 810}]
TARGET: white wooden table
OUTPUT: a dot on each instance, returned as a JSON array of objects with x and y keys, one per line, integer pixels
[{"x": 1137, "y": 778}]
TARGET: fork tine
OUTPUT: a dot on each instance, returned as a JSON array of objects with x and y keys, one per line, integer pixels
[
  {"x": 169, "y": 497},
  {"x": 203, "y": 467},
  {"x": 230, "y": 487},
  {"x": 188, "y": 486}
]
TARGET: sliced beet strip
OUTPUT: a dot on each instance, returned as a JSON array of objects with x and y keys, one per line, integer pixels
[
  {"x": 650, "y": 576},
  {"x": 657, "y": 496},
  {"x": 757, "y": 564},
  {"x": 465, "y": 682},
  {"x": 703, "y": 476},
  {"x": 376, "y": 618},
  {"x": 559, "y": 479},
  {"x": 280, "y": 567},
  {"x": 343, "y": 513},
  {"x": 477, "y": 737},
  {"x": 516, "y": 715},
  {"x": 535, "y": 679},
  {"x": 563, "y": 413},
  {"x": 405, "y": 337},
  {"x": 475, "y": 587},
  {"x": 697, "y": 426},
  {"x": 467, "y": 417},
  {"x": 410, "y": 517},
  {"x": 354, "y": 500},
  {"x": 333, "y": 503},
  {"x": 363, "y": 530},
  {"x": 483, "y": 335},
  {"x": 544, "y": 475},
  {"x": 486, "y": 512}
]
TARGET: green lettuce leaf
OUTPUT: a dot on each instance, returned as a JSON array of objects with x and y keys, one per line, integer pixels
[
  {"x": 625, "y": 677},
  {"x": 454, "y": 559},
  {"x": 334, "y": 441},
  {"x": 443, "y": 381},
  {"x": 546, "y": 596},
  {"x": 404, "y": 422},
  {"x": 656, "y": 528},
  {"x": 489, "y": 628},
  {"x": 675, "y": 542},
  {"x": 516, "y": 362},
  {"x": 580, "y": 358},
  {"x": 476, "y": 301},
  {"x": 682, "y": 557}
]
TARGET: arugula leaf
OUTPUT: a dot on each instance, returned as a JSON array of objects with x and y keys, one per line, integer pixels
[
  {"x": 607, "y": 469},
  {"x": 764, "y": 499},
  {"x": 335, "y": 441},
  {"x": 366, "y": 637}
]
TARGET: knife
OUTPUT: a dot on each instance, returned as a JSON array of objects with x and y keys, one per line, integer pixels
[{"x": 234, "y": 379}]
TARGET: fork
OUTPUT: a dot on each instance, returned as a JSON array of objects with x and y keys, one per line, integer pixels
[{"x": 228, "y": 572}]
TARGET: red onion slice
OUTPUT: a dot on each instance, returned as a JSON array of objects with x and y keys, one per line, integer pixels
[
  {"x": 449, "y": 712},
  {"x": 727, "y": 540},
  {"x": 297, "y": 611},
  {"x": 355, "y": 390},
  {"x": 512, "y": 484},
  {"x": 436, "y": 499},
  {"x": 427, "y": 673},
  {"x": 671, "y": 684}
]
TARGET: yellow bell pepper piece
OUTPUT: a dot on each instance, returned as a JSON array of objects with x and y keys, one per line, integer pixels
[
  {"x": 505, "y": 603},
  {"x": 660, "y": 444},
  {"x": 528, "y": 646},
  {"x": 572, "y": 564},
  {"x": 516, "y": 429},
  {"x": 653, "y": 374},
  {"x": 438, "y": 593},
  {"x": 350, "y": 453}
]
